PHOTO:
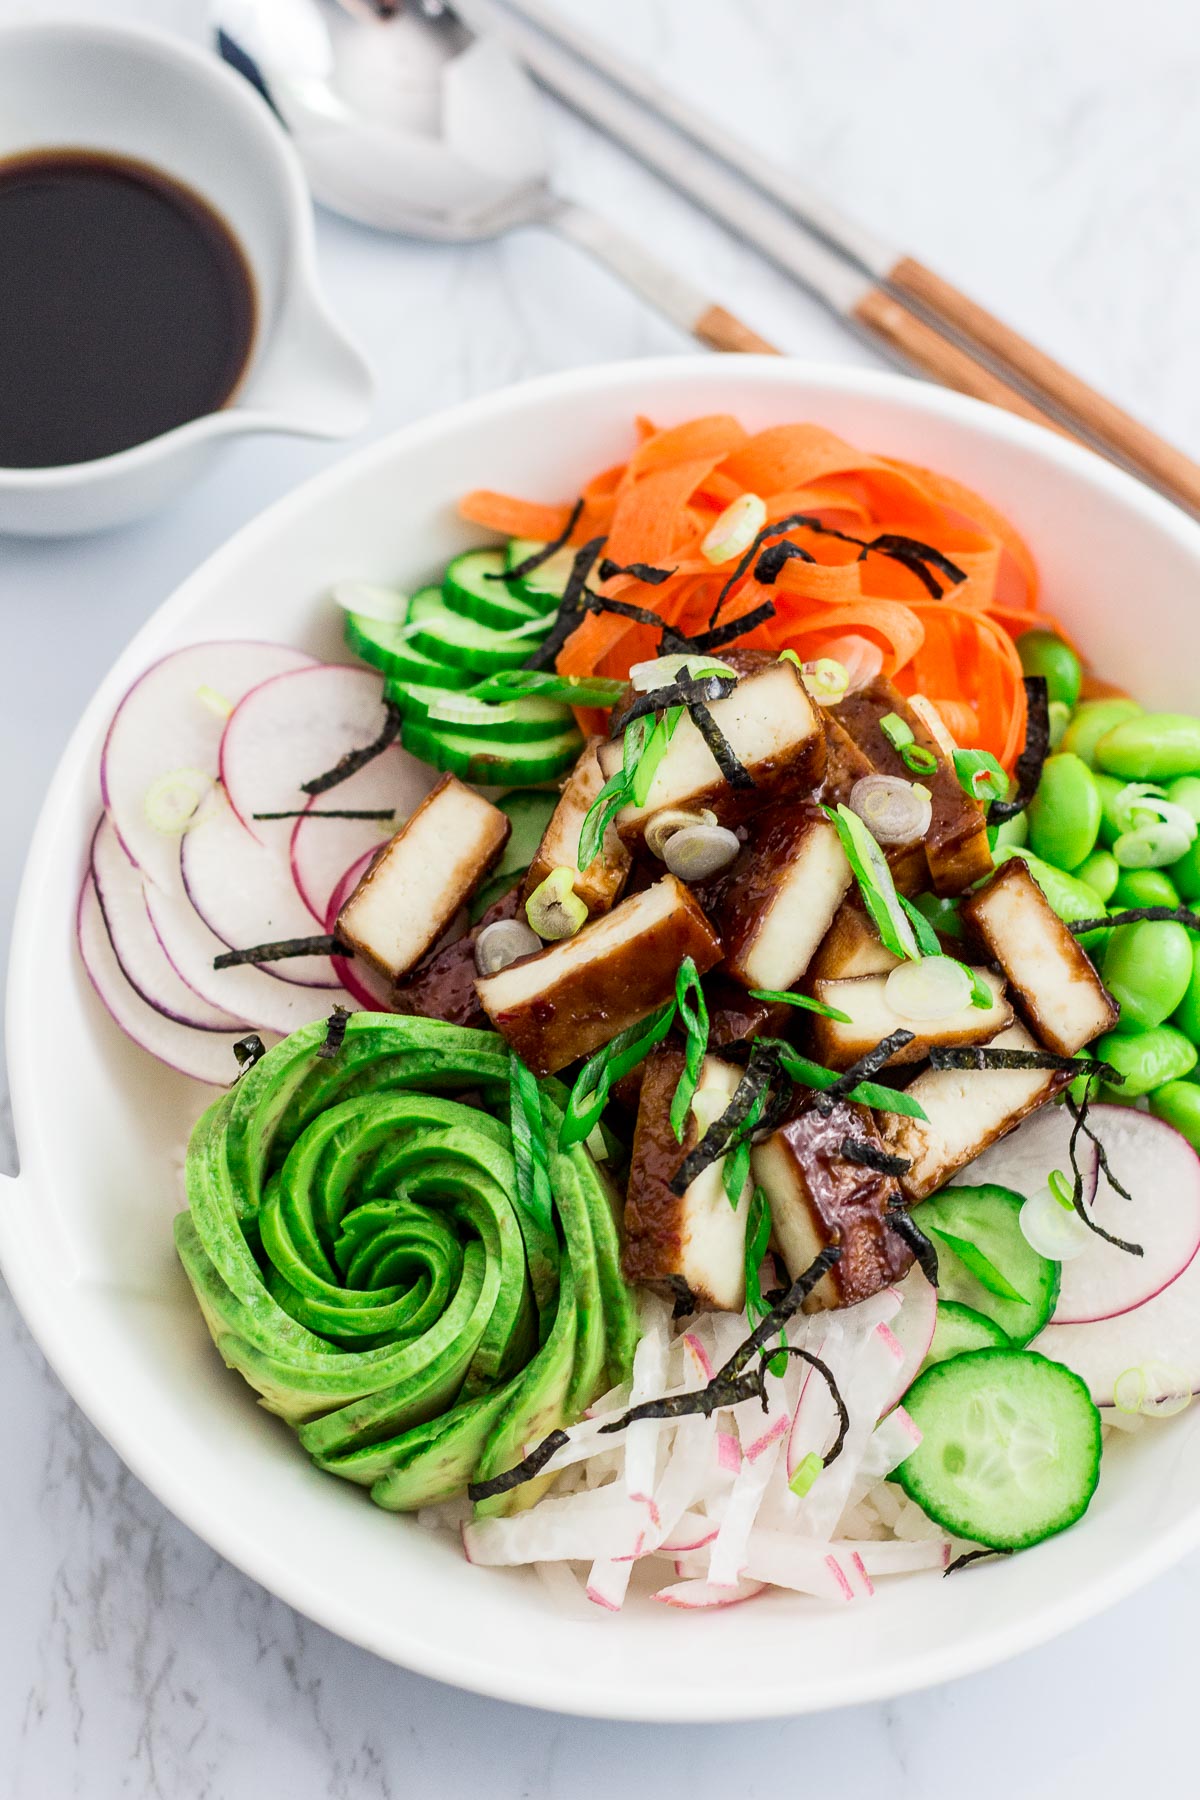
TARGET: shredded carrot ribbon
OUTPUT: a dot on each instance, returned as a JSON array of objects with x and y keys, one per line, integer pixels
[{"x": 656, "y": 508}]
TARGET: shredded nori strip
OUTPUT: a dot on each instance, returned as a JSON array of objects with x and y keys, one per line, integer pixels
[
  {"x": 570, "y": 608},
  {"x": 708, "y": 641},
  {"x": 644, "y": 571},
  {"x": 774, "y": 1321},
  {"x": 1137, "y": 915},
  {"x": 547, "y": 550},
  {"x": 835, "y": 1394},
  {"x": 722, "y": 1134},
  {"x": 332, "y": 812},
  {"x": 862, "y": 1070},
  {"x": 335, "y": 1032},
  {"x": 525, "y": 1470},
  {"x": 681, "y": 692},
  {"x": 985, "y": 1056},
  {"x": 671, "y": 639},
  {"x": 870, "y": 1156},
  {"x": 722, "y": 751},
  {"x": 917, "y": 558},
  {"x": 899, "y": 1221},
  {"x": 1037, "y": 748},
  {"x": 971, "y": 1556},
  {"x": 1079, "y": 1114},
  {"x": 770, "y": 564},
  {"x": 249, "y": 1050},
  {"x": 354, "y": 760},
  {"x": 325, "y": 945}
]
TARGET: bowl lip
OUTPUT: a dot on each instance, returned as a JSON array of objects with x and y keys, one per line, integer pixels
[
  {"x": 274, "y": 150},
  {"x": 570, "y": 1693}
]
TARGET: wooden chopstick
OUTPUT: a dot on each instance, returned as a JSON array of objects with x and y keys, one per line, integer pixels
[{"x": 915, "y": 314}]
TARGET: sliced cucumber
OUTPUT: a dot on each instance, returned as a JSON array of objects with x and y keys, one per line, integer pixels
[
  {"x": 386, "y": 646},
  {"x": 1010, "y": 1447},
  {"x": 545, "y": 584},
  {"x": 516, "y": 721},
  {"x": 468, "y": 588},
  {"x": 493, "y": 889},
  {"x": 959, "y": 1329},
  {"x": 529, "y": 810},
  {"x": 449, "y": 637},
  {"x": 491, "y": 762},
  {"x": 988, "y": 1218}
]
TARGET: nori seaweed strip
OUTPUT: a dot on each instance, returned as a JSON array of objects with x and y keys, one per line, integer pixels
[
  {"x": 643, "y": 571},
  {"x": 898, "y": 1220},
  {"x": 1037, "y": 748},
  {"x": 862, "y": 1070},
  {"x": 914, "y": 556},
  {"x": 722, "y": 751},
  {"x": 835, "y": 1394},
  {"x": 770, "y": 564},
  {"x": 1079, "y": 1114},
  {"x": 1134, "y": 915},
  {"x": 672, "y": 640},
  {"x": 547, "y": 550},
  {"x": 326, "y": 945},
  {"x": 570, "y": 608},
  {"x": 525, "y": 1470},
  {"x": 332, "y": 812},
  {"x": 249, "y": 1050},
  {"x": 680, "y": 692},
  {"x": 354, "y": 760},
  {"x": 335, "y": 1032},
  {"x": 971, "y": 1556},
  {"x": 782, "y": 1311},
  {"x": 708, "y": 641},
  {"x": 984, "y": 1056},
  {"x": 722, "y": 1133},
  {"x": 871, "y": 1157}
]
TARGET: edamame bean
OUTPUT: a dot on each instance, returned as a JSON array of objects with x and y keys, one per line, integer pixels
[
  {"x": 942, "y": 914},
  {"x": 1090, "y": 722},
  {"x": 1070, "y": 897},
  {"x": 1152, "y": 747},
  {"x": 1108, "y": 787},
  {"x": 1185, "y": 873},
  {"x": 1187, "y": 1013},
  {"x": 1147, "y": 1059},
  {"x": 1178, "y": 1102},
  {"x": 1185, "y": 792},
  {"x": 1147, "y": 968},
  {"x": 1101, "y": 871},
  {"x": 1060, "y": 718},
  {"x": 1144, "y": 887},
  {"x": 1012, "y": 831},
  {"x": 1064, "y": 814},
  {"x": 1042, "y": 653}
]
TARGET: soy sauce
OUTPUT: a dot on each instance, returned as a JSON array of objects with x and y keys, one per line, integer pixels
[{"x": 126, "y": 307}]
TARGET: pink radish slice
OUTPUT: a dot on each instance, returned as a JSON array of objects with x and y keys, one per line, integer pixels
[
  {"x": 244, "y": 892},
  {"x": 204, "y": 1055},
  {"x": 172, "y": 718},
  {"x": 268, "y": 1004},
  {"x": 913, "y": 1327},
  {"x": 695, "y": 1594},
  {"x": 1024, "y": 1159},
  {"x": 289, "y": 730},
  {"x": 1162, "y": 1172},
  {"x": 322, "y": 849},
  {"x": 143, "y": 962},
  {"x": 371, "y": 989}
]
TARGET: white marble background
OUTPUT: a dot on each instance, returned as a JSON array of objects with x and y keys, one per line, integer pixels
[{"x": 1045, "y": 153}]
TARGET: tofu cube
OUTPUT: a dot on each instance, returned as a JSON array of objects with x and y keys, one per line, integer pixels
[
  {"x": 579, "y": 993},
  {"x": 411, "y": 892},
  {"x": 1057, "y": 987},
  {"x": 690, "y": 1246},
  {"x": 864, "y": 999},
  {"x": 599, "y": 886},
  {"x": 851, "y": 946},
  {"x": 781, "y": 897}
]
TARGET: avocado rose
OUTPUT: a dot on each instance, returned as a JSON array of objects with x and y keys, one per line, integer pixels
[{"x": 369, "y": 1256}]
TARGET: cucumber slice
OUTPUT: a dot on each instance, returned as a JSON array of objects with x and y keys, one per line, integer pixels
[
  {"x": 959, "y": 1329},
  {"x": 516, "y": 721},
  {"x": 448, "y": 637},
  {"x": 386, "y": 647},
  {"x": 493, "y": 889},
  {"x": 989, "y": 1218},
  {"x": 545, "y": 585},
  {"x": 530, "y": 810},
  {"x": 468, "y": 588},
  {"x": 1010, "y": 1447},
  {"x": 491, "y": 762}
]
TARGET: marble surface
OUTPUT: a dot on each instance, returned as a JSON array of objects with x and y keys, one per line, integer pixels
[{"x": 1045, "y": 157}]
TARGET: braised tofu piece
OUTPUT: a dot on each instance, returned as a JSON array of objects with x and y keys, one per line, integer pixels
[
  {"x": 851, "y": 946},
  {"x": 819, "y": 1197},
  {"x": 781, "y": 896},
  {"x": 579, "y": 993},
  {"x": 421, "y": 877},
  {"x": 1058, "y": 989},
  {"x": 871, "y": 1017},
  {"x": 599, "y": 886},
  {"x": 774, "y": 729},
  {"x": 442, "y": 986},
  {"x": 966, "y": 1110},
  {"x": 690, "y": 1246},
  {"x": 956, "y": 846},
  {"x": 845, "y": 763},
  {"x": 734, "y": 1015}
]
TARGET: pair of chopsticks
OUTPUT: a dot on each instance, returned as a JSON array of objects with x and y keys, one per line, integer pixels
[{"x": 891, "y": 299}]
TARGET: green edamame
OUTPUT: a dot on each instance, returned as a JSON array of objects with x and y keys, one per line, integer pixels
[
  {"x": 1108, "y": 787},
  {"x": 1070, "y": 897},
  {"x": 1101, "y": 871},
  {"x": 1178, "y": 1103},
  {"x": 1042, "y": 653},
  {"x": 1147, "y": 1059},
  {"x": 1185, "y": 791},
  {"x": 942, "y": 914},
  {"x": 1060, "y": 717},
  {"x": 1185, "y": 873},
  {"x": 1092, "y": 720},
  {"x": 1084, "y": 1086},
  {"x": 1144, "y": 887},
  {"x": 1147, "y": 968},
  {"x": 1152, "y": 747},
  {"x": 1013, "y": 831},
  {"x": 1187, "y": 1012},
  {"x": 1064, "y": 814}
]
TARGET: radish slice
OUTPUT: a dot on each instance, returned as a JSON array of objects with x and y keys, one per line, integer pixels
[
  {"x": 372, "y": 990},
  {"x": 913, "y": 1328},
  {"x": 1162, "y": 1172},
  {"x": 289, "y": 730},
  {"x": 143, "y": 961},
  {"x": 244, "y": 892},
  {"x": 172, "y": 718},
  {"x": 694, "y": 1594},
  {"x": 1025, "y": 1158},
  {"x": 601, "y": 1523},
  {"x": 322, "y": 849},
  {"x": 204, "y": 1055},
  {"x": 1164, "y": 1332},
  {"x": 804, "y": 1564}
]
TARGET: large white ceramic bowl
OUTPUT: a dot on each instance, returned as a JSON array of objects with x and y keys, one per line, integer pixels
[{"x": 85, "y": 1231}]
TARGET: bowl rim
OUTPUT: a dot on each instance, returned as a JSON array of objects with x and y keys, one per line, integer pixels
[{"x": 464, "y": 1667}]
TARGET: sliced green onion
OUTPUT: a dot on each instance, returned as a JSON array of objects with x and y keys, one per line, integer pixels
[
  {"x": 652, "y": 755},
  {"x": 594, "y": 1082},
  {"x": 807, "y": 1470},
  {"x": 926, "y": 936},
  {"x": 933, "y": 987},
  {"x": 1155, "y": 1389},
  {"x": 693, "y": 1014},
  {"x": 980, "y": 775},
  {"x": 806, "y": 1073},
  {"x": 733, "y": 532},
  {"x": 1151, "y": 846},
  {"x": 173, "y": 802},
  {"x": 554, "y": 909},
  {"x": 896, "y": 730},
  {"x": 981, "y": 1266},
  {"x": 736, "y": 1171},
  {"x": 758, "y": 1237},
  {"x": 1061, "y": 1189},
  {"x": 530, "y": 1150},
  {"x": 664, "y": 671},
  {"x": 826, "y": 679},
  {"x": 542, "y": 684},
  {"x": 874, "y": 878},
  {"x": 918, "y": 758},
  {"x": 778, "y": 996},
  {"x": 216, "y": 703}
]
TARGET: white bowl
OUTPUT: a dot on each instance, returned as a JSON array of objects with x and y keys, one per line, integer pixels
[{"x": 85, "y": 1231}]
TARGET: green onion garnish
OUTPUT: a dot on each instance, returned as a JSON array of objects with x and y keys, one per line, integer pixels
[
  {"x": 981, "y": 1266},
  {"x": 736, "y": 1172},
  {"x": 980, "y": 775},
  {"x": 594, "y": 1082},
  {"x": 616, "y": 791},
  {"x": 693, "y": 1014},
  {"x": 874, "y": 878},
  {"x": 758, "y": 1236},
  {"x": 573, "y": 690},
  {"x": 776, "y": 995},
  {"x": 927, "y": 943},
  {"x": 529, "y": 1143},
  {"x": 899, "y": 735},
  {"x": 807, "y": 1470},
  {"x": 652, "y": 755}
]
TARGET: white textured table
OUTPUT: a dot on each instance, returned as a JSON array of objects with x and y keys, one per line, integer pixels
[{"x": 1044, "y": 156}]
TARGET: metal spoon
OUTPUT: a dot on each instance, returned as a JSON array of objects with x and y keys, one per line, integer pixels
[{"x": 414, "y": 124}]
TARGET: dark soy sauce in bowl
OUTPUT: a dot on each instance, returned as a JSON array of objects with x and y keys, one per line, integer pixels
[{"x": 127, "y": 307}]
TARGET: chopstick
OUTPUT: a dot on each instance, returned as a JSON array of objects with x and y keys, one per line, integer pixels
[{"x": 896, "y": 301}]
